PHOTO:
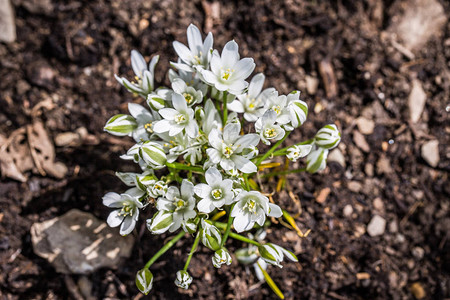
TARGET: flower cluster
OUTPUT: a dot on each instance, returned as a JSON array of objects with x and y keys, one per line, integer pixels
[{"x": 198, "y": 143}]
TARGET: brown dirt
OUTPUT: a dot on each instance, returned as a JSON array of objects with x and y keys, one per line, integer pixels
[{"x": 67, "y": 53}]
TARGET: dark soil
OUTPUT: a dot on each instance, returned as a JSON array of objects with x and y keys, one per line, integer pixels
[{"x": 67, "y": 53}]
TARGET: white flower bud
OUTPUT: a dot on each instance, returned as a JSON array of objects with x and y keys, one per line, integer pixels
[
  {"x": 221, "y": 256},
  {"x": 144, "y": 280},
  {"x": 160, "y": 222},
  {"x": 155, "y": 101},
  {"x": 316, "y": 160},
  {"x": 298, "y": 151},
  {"x": 274, "y": 254},
  {"x": 189, "y": 226},
  {"x": 211, "y": 236},
  {"x": 328, "y": 137},
  {"x": 183, "y": 279},
  {"x": 121, "y": 125},
  {"x": 246, "y": 256},
  {"x": 153, "y": 154}
]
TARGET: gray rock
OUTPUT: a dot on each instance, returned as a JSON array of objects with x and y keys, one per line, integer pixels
[
  {"x": 7, "y": 22},
  {"x": 376, "y": 226},
  {"x": 336, "y": 156},
  {"x": 430, "y": 153},
  {"x": 365, "y": 126},
  {"x": 79, "y": 243}
]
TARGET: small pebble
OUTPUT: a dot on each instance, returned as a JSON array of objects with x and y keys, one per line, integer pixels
[
  {"x": 430, "y": 153},
  {"x": 418, "y": 252},
  {"x": 376, "y": 226},
  {"x": 365, "y": 126},
  {"x": 348, "y": 210}
]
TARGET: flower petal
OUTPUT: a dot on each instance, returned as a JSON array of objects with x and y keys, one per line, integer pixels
[
  {"x": 112, "y": 200},
  {"x": 114, "y": 219},
  {"x": 138, "y": 63},
  {"x": 256, "y": 85}
]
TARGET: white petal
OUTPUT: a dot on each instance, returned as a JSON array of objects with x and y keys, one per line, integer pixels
[
  {"x": 236, "y": 106},
  {"x": 215, "y": 139},
  {"x": 138, "y": 63},
  {"x": 112, "y": 200},
  {"x": 241, "y": 222},
  {"x": 202, "y": 190},
  {"x": 231, "y": 133},
  {"x": 274, "y": 211},
  {"x": 209, "y": 77},
  {"x": 178, "y": 85},
  {"x": 127, "y": 226},
  {"x": 187, "y": 189},
  {"x": 244, "y": 164},
  {"x": 161, "y": 126},
  {"x": 179, "y": 103},
  {"x": 256, "y": 85},
  {"x": 244, "y": 68},
  {"x": 205, "y": 206},
  {"x": 183, "y": 52},
  {"x": 213, "y": 176},
  {"x": 174, "y": 129},
  {"x": 168, "y": 113},
  {"x": 192, "y": 129},
  {"x": 246, "y": 141},
  {"x": 114, "y": 219},
  {"x": 227, "y": 164},
  {"x": 136, "y": 110},
  {"x": 230, "y": 54},
  {"x": 152, "y": 64},
  {"x": 194, "y": 38}
]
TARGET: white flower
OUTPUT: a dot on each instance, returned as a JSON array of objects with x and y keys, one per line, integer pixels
[
  {"x": 144, "y": 76},
  {"x": 180, "y": 204},
  {"x": 190, "y": 78},
  {"x": 226, "y": 148},
  {"x": 157, "y": 189},
  {"x": 298, "y": 109},
  {"x": 228, "y": 72},
  {"x": 183, "y": 279},
  {"x": 216, "y": 193},
  {"x": 191, "y": 95},
  {"x": 267, "y": 129},
  {"x": 221, "y": 256},
  {"x": 252, "y": 207},
  {"x": 178, "y": 118},
  {"x": 274, "y": 254},
  {"x": 279, "y": 103},
  {"x": 298, "y": 151},
  {"x": 317, "y": 160},
  {"x": 198, "y": 54},
  {"x": 211, "y": 236},
  {"x": 157, "y": 99},
  {"x": 128, "y": 205},
  {"x": 161, "y": 222},
  {"x": 328, "y": 137},
  {"x": 251, "y": 104}
]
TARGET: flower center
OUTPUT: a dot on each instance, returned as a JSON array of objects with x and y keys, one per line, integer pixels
[
  {"x": 277, "y": 109},
  {"x": 127, "y": 210},
  {"x": 216, "y": 194},
  {"x": 226, "y": 74},
  {"x": 180, "y": 119},
  {"x": 227, "y": 151},
  {"x": 250, "y": 206},
  {"x": 179, "y": 203},
  {"x": 198, "y": 58},
  {"x": 188, "y": 97},
  {"x": 148, "y": 127},
  {"x": 270, "y": 133}
]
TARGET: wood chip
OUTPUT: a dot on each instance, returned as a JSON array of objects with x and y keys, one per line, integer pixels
[
  {"x": 416, "y": 101},
  {"x": 329, "y": 79},
  {"x": 323, "y": 194},
  {"x": 362, "y": 276}
]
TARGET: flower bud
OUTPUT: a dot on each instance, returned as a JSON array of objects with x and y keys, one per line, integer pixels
[
  {"x": 189, "y": 226},
  {"x": 155, "y": 101},
  {"x": 153, "y": 154},
  {"x": 316, "y": 160},
  {"x": 298, "y": 110},
  {"x": 183, "y": 279},
  {"x": 328, "y": 137},
  {"x": 157, "y": 189},
  {"x": 160, "y": 222},
  {"x": 144, "y": 280},
  {"x": 211, "y": 236},
  {"x": 298, "y": 151},
  {"x": 274, "y": 254},
  {"x": 250, "y": 152},
  {"x": 120, "y": 125},
  {"x": 246, "y": 256},
  {"x": 221, "y": 256}
]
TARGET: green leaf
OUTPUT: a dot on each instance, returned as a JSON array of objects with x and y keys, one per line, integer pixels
[{"x": 271, "y": 283}]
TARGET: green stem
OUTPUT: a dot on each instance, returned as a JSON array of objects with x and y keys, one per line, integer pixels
[
  {"x": 283, "y": 172},
  {"x": 179, "y": 166},
  {"x": 194, "y": 247},
  {"x": 228, "y": 228},
  {"x": 243, "y": 239},
  {"x": 225, "y": 109},
  {"x": 247, "y": 185},
  {"x": 274, "y": 147},
  {"x": 270, "y": 282},
  {"x": 164, "y": 249}
]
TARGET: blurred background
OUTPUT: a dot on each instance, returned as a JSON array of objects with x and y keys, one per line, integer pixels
[{"x": 379, "y": 214}]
